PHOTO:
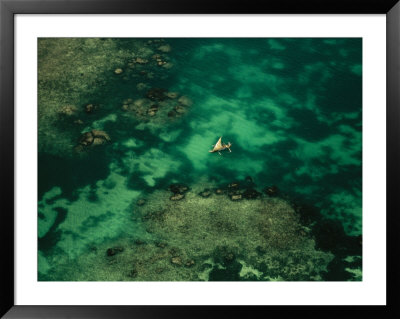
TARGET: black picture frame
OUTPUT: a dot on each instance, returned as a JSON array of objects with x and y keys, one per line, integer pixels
[{"x": 9, "y": 8}]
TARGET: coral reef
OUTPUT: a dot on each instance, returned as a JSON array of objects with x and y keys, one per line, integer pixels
[
  {"x": 205, "y": 236},
  {"x": 262, "y": 233},
  {"x": 74, "y": 71}
]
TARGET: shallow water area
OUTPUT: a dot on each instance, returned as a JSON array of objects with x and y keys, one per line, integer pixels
[{"x": 128, "y": 189}]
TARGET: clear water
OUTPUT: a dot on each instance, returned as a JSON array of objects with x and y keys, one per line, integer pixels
[{"x": 292, "y": 109}]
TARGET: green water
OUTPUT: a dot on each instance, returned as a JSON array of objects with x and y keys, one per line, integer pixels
[{"x": 292, "y": 109}]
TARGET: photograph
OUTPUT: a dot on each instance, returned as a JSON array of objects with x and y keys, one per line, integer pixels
[{"x": 199, "y": 159}]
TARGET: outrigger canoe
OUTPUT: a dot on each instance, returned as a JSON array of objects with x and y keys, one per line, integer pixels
[{"x": 221, "y": 146}]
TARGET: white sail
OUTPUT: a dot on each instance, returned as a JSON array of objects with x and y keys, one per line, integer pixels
[{"x": 218, "y": 146}]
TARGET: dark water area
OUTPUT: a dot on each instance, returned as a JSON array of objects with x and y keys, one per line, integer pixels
[{"x": 292, "y": 109}]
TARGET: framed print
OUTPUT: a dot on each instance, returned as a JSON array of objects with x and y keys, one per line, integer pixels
[{"x": 165, "y": 154}]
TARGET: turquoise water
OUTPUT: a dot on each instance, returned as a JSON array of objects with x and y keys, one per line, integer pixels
[{"x": 292, "y": 109}]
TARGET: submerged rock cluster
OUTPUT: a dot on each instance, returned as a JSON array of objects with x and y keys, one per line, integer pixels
[{"x": 158, "y": 105}]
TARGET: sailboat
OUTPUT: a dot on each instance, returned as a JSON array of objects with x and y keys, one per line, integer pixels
[{"x": 221, "y": 146}]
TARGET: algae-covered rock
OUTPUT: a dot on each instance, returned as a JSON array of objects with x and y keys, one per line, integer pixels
[
  {"x": 179, "y": 109},
  {"x": 271, "y": 191},
  {"x": 178, "y": 188},
  {"x": 93, "y": 138},
  {"x": 68, "y": 110},
  {"x": 172, "y": 95},
  {"x": 205, "y": 193},
  {"x": 152, "y": 110},
  {"x": 177, "y": 197},
  {"x": 176, "y": 261},
  {"x": 86, "y": 139},
  {"x": 114, "y": 250},
  {"x": 236, "y": 197},
  {"x": 141, "y": 60},
  {"x": 251, "y": 193},
  {"x": 90, "y": 108},
  {"x": 156, "y": 94}
]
